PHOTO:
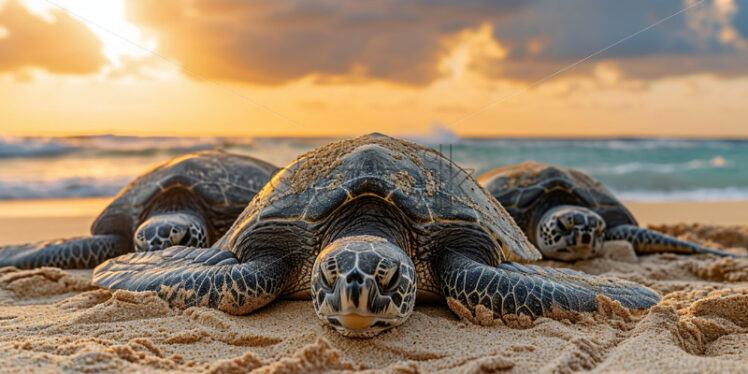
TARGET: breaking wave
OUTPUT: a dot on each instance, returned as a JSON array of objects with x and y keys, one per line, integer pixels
[{"x": 636, "y": 169}]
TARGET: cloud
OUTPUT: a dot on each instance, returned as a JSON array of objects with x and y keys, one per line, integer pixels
[
  {"x": 406, "y": 41},
  {"x": 62, "y": 46},
  {"x": 275, "y": 42},
  {"x": 572, "y": 29},
  {"x": 740, "y": 20},
  {"x": 550, "y": 35}
]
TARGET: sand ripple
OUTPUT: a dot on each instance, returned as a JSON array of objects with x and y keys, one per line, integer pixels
[{"x": 54, "y": 320}]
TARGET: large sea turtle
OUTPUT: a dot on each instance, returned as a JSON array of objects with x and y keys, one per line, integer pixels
[
  {"x": 361, "y": 226},
  {"x": 567, "y": 214},
  {"x": 189, "y": 200}
]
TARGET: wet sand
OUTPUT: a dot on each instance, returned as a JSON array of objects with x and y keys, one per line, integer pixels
[{"x": 54, "y": 320}]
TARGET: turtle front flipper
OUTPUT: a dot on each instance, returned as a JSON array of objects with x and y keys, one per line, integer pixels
[
  {"x": 649, "y": 241},
  {"x": 511, "y": 288},
  {"x": 72, "y": 253},
  {"x": 187, "y": 276}
]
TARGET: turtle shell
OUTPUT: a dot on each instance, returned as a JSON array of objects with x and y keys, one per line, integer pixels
[
  {"x": 529, "y": 189},
  {"x": 424, "y": 185},
  {"x": 224, "y": 183}
]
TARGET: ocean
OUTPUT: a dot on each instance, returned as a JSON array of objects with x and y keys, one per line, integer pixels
[{"x": 635, "y": 169}]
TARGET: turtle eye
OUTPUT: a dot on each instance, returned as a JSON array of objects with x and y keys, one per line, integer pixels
[
  {"x": 329, "y": 272},
  {"x": 388, "y": 275}
]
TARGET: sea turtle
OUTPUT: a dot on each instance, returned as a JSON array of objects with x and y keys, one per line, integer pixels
[
  {"x": 567, "y": 214},
  {"x": 361, "y": 226},
  {"x": 189, "y": 200}
]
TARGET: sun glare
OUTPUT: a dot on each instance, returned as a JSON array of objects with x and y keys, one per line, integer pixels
[{"x": 106, "y": 19}]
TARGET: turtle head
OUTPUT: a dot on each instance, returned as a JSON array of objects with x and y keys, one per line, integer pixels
[
  {"x": 169, "y": 229},
  {"x": 363, "y": 285},
  {"x": 569, "y": 233}
]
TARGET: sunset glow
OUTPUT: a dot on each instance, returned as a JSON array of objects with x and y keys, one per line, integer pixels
[
  {"x": 266, "y": 67},
  {"x": 106, "y": 19}
]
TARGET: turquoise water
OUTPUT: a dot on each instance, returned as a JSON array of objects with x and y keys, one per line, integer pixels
[{"x": 635, "y": 169}]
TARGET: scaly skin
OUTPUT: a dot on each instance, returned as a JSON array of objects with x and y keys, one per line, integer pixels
[
  {"x": 162, "y": 231},
  {"x": 208, "y": 277},
  {"x": 159, "y": 232},
  {"x": 339, "y": 222},
  {"x": 513, "y": 289},
  {"x": 648, "y": 241},
  {"x": 72, "y": 253},
  {"x": 189, "y": 200}
]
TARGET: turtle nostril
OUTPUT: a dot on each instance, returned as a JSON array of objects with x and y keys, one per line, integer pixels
[{"x": 354, "y": 277}]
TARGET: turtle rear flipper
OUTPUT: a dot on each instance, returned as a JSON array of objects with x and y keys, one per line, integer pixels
[
  {"x": 511, "y": 288},
  {"x": 64, "y": 253},
  {"x": 188, "y": 276},
  {"x": 649, "y": 241}
]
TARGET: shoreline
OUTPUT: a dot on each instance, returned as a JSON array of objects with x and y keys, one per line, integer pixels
[{"x": 24, "y": 221}]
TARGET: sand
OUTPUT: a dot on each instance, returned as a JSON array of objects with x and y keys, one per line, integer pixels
[
  {"x": 708, "y": 213},
  {"x": 54, "y": 321}
]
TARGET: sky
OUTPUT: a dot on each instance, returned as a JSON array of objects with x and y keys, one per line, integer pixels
[{"x": 675, "y": 68}]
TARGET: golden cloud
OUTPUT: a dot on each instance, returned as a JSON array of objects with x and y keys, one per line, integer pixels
[
  {"x": 276, "y": 42},
  {"x": 63, "y": 46},
  {"x": 408, "y": 41}
]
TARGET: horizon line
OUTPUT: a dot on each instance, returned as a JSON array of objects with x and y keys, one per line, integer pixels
[{"x": 406, "y": 136}]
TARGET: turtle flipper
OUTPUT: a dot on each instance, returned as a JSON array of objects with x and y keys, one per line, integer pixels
[
  {"x": 511, "y": 288},
  {"x": 188, "y": 276},
  {"x": 649, "y": 241},
  {"x": 64, "y": 253}
]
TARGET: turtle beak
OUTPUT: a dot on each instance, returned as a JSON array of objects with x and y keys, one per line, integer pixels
[
  {"x": 355, "y": 289},
  {"x": 355, "y": 321}
]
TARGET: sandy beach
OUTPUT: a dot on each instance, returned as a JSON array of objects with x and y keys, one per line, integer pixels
[
  {"x": 366, "y": 140},
  {"x": 54, "y": 320},
  {"x": 20, "y": 219}
]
